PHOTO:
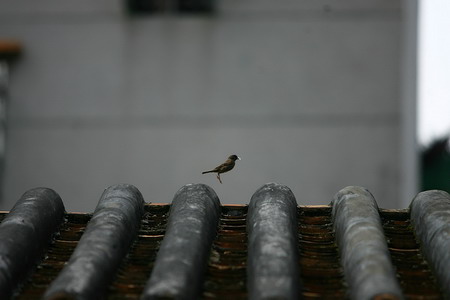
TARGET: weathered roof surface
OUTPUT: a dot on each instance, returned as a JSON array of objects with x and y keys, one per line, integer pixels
[{"x": 270, "y": 249}]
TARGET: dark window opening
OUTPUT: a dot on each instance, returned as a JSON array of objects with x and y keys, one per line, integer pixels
[{"x": 145, "y": 7}]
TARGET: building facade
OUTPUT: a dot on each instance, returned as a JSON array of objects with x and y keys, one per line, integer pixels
[{"x": 308, "y": 94}]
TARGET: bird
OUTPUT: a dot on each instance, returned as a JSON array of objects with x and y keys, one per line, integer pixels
[{"x": 225, "y": 167}]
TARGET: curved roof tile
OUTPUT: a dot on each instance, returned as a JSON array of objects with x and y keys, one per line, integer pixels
[
  {"x": 203, "y": 250},
  {"x": 273, "y": 271},
  {"x": 430, "y": 213},
  {"x": 182, "y": 257},
  {"x": 364, "y": 252},
  {"x": 102, "y": 247},
  {"x": 25, "y": 233}
]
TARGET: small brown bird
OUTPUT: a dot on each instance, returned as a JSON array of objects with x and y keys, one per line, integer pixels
[{"x": 225, "y": 167}]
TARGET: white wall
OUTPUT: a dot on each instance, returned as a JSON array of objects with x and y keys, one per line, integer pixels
[{"x": 306, "y": 92}]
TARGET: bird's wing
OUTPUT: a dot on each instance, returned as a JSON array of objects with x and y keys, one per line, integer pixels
[{"x": 226, "y": 166}]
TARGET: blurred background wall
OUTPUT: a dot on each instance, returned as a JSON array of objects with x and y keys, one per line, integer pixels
[{"x": 308, "y": 93}]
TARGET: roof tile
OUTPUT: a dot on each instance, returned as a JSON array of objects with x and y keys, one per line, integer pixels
[
  {"x": 364, "y": 252},
  {"x": 102, "y": 247},
  {"x": 320, "y": 251},
  {"x": 182, "y": 257},
  {"x": 430, "y": 214},
  {"x": 24, "y": 234},
  {"x": 273, "y": 271}
]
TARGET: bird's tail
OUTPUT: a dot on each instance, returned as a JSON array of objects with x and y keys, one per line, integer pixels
[{"x": 211, "y": 171}]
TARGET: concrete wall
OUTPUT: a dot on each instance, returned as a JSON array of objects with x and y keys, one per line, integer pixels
[{"x": 306, "y": 92}]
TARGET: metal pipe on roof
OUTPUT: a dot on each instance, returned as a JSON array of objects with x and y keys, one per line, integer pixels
[
  {"x": 363, "y": 249},
  {"x": 272, "y": 264},
  {"x": 25, "y": 233},
  {"x": 430, "y": 215},
  {"x": 106, "y": 240},
  {"x": 182, "y": 258}
]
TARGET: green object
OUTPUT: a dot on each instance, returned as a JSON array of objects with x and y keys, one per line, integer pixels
[{"x": 436, "y": 166}]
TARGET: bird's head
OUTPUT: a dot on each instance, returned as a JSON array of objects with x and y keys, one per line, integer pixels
[{"x": 234, "y": 157}]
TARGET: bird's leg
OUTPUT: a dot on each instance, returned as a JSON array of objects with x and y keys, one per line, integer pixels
[{"x": 218, "y": 177}]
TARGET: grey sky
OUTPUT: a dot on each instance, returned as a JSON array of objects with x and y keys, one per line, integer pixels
[{"x": 434, "y": 70}]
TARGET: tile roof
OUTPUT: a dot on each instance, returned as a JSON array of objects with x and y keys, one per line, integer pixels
[{"x": 196, "y": 248}]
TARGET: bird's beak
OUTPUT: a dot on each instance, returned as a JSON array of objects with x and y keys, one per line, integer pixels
[{"x": 239, "y": 158}]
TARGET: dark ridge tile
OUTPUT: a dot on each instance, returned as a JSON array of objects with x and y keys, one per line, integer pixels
[
  {"x": 273, "y": 271},
  {"x": 364, "y": 253},
  {"x": 430, "y": 216},
  {"x": 321, "y": 275},
  {"x": 181, "y": 261},
  {"x": 102, "y": 247},
  {"x": 25, "y": 233}
]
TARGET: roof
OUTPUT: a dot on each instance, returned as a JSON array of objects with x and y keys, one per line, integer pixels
[
  {"x": 9, "y": 49},
  {"x": 197, "y": 247}
]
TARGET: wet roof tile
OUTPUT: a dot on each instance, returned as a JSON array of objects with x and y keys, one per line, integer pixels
[{"x": 197, "y": 248}]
